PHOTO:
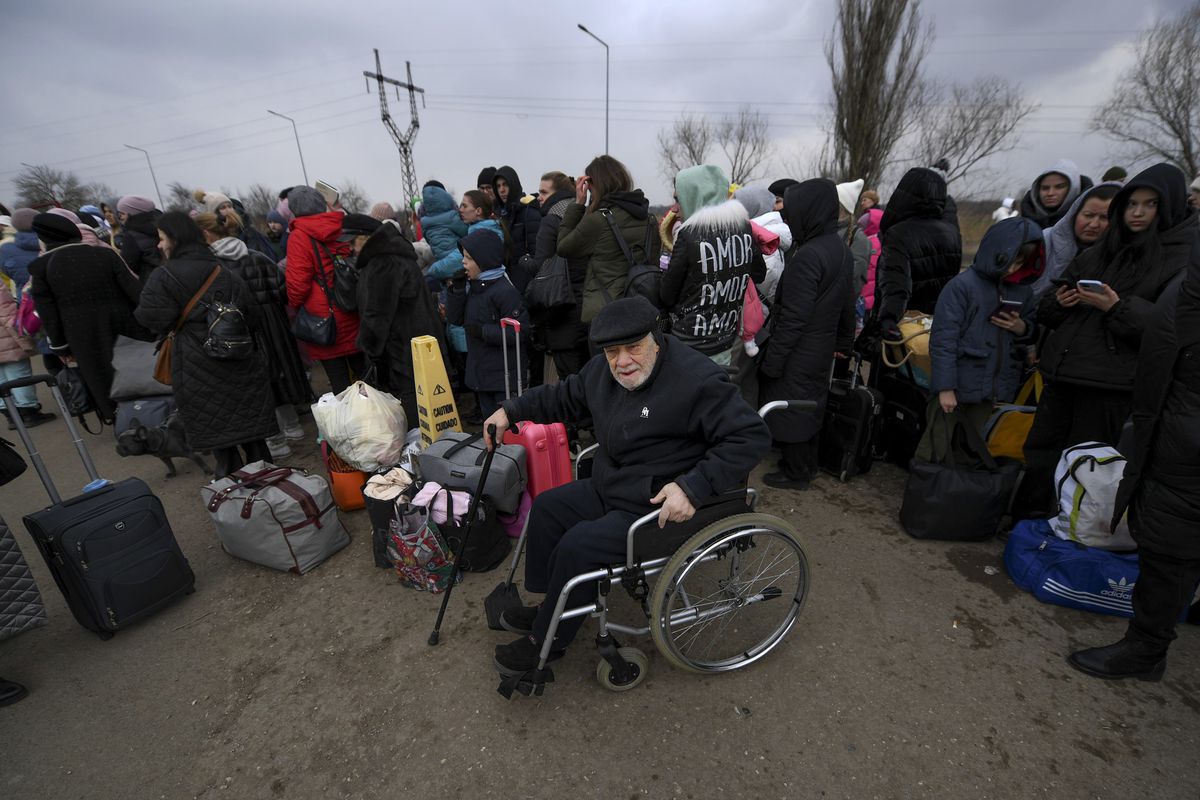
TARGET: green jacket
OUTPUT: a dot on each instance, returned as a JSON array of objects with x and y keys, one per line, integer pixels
[{"x": 587, "y": 235}]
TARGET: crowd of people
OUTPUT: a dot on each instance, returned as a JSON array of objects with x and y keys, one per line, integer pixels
[{"x": 778, "y": 286}]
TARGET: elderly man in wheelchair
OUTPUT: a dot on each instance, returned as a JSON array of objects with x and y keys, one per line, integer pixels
[{"x": 675, "y": 445}]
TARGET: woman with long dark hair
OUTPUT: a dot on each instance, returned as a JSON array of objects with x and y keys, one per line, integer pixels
[
  {"x": 225, "y": 403},
  {"x": 1097, "y": 314}
]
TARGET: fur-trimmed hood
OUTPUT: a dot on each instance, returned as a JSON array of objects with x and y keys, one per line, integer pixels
[{"x": 725, "y": 216}]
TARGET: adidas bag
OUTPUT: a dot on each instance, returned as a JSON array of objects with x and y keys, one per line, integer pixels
[
  {"x": 1067, "y": 573},
  {"x": 1087, "y": 478}
]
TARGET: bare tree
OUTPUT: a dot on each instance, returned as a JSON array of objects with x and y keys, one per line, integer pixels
[
  {"x": 745, "y": 139},
  {"x": 684, "y": 145},
  {"x": 1154, "y": 110},
  {"x": 258, "y": 201},
  {"x": 968, "y": 123},
  {"x": 875, "y": 56},
  {"x": 41, "y": 186},
  {"x": 354, "y": 200},
  {"x": 179, "y": 197}
]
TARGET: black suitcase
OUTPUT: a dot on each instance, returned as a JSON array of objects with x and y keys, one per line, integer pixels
[
  {"x": 110, "y": 549},
  {"x": 904, "y": 417},
  {"x": 853, "y": 413}
]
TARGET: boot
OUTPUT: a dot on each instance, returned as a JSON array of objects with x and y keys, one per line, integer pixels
[
  {"x": 1128, "y": 658},
  {"x": 11, "y": 692},
  {"x": 32, "y": 417}
]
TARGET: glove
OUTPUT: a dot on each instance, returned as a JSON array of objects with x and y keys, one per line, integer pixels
[
  {"x": 889, "y": 331},
  {"x": 473, "y": 330}
]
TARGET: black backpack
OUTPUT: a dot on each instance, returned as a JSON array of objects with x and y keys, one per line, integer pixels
[
  {"x": 344, "y": 291},
  {"x": 229, "y": 337},
  {"x": 644, "y": 280}
]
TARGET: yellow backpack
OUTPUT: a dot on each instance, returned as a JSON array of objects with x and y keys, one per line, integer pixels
[{"x": 1009, "y": 425}]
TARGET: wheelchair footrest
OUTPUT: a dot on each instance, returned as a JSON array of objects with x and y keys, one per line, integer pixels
[{"x": 529, "y": 683}]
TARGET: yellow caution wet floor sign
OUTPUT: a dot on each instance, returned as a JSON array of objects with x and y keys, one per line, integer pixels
[{"x": 436, "y": 409}]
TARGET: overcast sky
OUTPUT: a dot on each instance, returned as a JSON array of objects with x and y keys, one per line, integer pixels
[{"x": 506, "y": 83}]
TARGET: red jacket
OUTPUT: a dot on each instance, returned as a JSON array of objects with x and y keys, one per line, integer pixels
[{"x": 302, "y": 288}]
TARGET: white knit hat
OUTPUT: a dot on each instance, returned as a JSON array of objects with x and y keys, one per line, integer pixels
[
  {"x": 848, "y": 194},
  {"x": 1195, "y": 187}
]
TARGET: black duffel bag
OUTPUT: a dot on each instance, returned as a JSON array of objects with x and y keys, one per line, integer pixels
[
  {"x": 957, "y": 500},
  {"x": 488, "y": 544}
]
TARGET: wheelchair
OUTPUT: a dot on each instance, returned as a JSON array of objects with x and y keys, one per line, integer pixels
[{"x": 727, "y": 587}]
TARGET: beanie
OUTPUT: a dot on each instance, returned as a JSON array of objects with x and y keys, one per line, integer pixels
[
  {"x": 382, "y": 211},
  {"x": 485, "y": 177},
  {"x": 848, "y": 194},
  {"x": 134, "y": 204},
  {"x": 22, "y": 219},
  {"x": 779, "y": 187},
  {"x": 211, "y": 200},
  {"x": 285, "y": 211},
  {"x": 1195, "y": 187},
  {"x": 485, "y": 247},
  {"x": 274, "y": 216},
  {"x": 304, "y": 201}
]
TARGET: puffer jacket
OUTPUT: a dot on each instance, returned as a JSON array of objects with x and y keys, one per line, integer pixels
[
  {"x": 871, "y": 229},
  {"x": 139, "y": 246},
  {"x": 15, "y": 256},
  {"x": 1088, "y": 347},
  {"x": 521, "y": 219},
  {"x": 222, "y": 403},
  {"x": 773, "y": 221},
  {"x": 921, "y": 249},
  {"x": 305, "y": 257},
  {"x": 440, "y": 223},
  {"x": 713, "y": 257},
  {"x": 586, "y": 234},
  {"x": 484, "y": 301},
  {"x": 970, "y": 355},
  {"x": 451, "y": 264},
  {"x": 13, "y": 347}
]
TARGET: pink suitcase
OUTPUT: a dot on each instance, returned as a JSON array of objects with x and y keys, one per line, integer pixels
[{"x": 547, "y": 456}]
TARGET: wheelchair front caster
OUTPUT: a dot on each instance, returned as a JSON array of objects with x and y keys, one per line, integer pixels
[{"x": 636, "y": 664}]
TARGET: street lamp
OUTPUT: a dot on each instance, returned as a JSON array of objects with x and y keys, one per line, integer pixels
[
  {"x": 601, "y": 41},
  {"x": 297, "y": 132},
  {"x": 151, "y": 166}
]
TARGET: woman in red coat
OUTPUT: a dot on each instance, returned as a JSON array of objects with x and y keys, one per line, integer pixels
[{"x": 315, "y": 235}]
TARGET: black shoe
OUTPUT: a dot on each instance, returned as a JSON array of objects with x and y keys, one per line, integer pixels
[
  {"x": 521, "y": 656},
  {"x": 519, "y": 620},
  {"x": 779, "y": 480},
  {"x": 1127, "y": 658},
  {"x": 32, "y": 417},
  {"x": 11, "y": 692}
]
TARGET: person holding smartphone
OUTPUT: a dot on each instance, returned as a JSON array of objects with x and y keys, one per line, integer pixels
[
  {"x": 983, "y": 318},
  {"x": 1096, "y": 316}
]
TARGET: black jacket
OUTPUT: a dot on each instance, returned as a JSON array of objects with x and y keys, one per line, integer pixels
[
  {"x": 562, "y": 330},
  {"x": 921, "y": 248},
  {"x": 1088, "y": 347},
  {"x": 478, "y": 306},
  {"x": 222, "y": 403},
  {"x": 85, "y": 297},
  {"x": 813, "y": 313},
  {"x": 520, "y": 219},
  {"x": 393, "y": 304},
  {"x": 687, "y": 423},
  {"x": 139, "y": 247},
  {"x": 704, "y": 288}
]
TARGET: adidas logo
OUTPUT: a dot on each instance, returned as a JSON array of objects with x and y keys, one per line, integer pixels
[{"x": 1122, "y": 589}]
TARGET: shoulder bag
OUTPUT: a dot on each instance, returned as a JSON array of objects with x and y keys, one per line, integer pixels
[
  {"x": 162, "y": 366},
  {"x": 643, "y": 280}
]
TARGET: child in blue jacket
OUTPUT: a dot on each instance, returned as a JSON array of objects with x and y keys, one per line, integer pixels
[
  {"x": 478, "y": 303},
  {"x": 441, "y": 224},
  {"x": 983, "y": 319}
]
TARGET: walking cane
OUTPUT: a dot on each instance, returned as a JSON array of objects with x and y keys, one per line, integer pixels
[{"x": 471, "y": 519}]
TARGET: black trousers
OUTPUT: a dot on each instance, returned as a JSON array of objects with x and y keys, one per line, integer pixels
[
  {"x": 570, "y": 532},
  {"x": 230, "y": 460},
  {"x": 798, "y": 460},
  {"x": 1165, "y": 587},
  {"x": 339, "y": 371},
  {"x": 1066, "y": 415},
  {"x": 569, "y": 362}
]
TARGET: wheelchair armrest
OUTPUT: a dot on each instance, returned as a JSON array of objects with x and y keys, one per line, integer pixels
[
  {"x": 645, "y": 540},
  {"x": 587, "y": 452}
]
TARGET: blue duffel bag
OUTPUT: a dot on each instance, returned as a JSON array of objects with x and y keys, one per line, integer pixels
[{"x": 1067, "y": 573}]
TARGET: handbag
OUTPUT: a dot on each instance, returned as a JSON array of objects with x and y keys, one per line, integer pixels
[
  {"x": 423, "y": 561},
  {"x": 74, "y": 391},
  {"x": 644, "y": 280},
  {"x": 913, "y": 345},
  {"x": 955, "y": 501},
  {"x": 550, "y": 289},
  {"x": 11, "y": 463},
  {"x": 162, "y": 367},
  {"x": 307, "y": 326}
]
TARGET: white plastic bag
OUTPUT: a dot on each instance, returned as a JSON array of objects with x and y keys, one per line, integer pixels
[{"x": 363, "y": 425}]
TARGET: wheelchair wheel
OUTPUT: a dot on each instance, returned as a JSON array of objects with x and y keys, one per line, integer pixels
[
  {"x": 730, "y": 594},
  {"x": 633, "y": 656}
]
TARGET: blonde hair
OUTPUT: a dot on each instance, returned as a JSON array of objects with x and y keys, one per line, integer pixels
[{"x": 222, "y": 224}]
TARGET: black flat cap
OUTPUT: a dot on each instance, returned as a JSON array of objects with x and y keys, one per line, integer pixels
[
  {"x": 55, "y": 230},
  {"x": 623, "y": 321},
  {"x": 360, "y": 224}
]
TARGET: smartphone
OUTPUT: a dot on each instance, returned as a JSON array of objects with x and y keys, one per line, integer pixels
[
  {"x": 1095, "y": 287},
  {"x": 330, "y": 193},
  {"x": 1008, "y": 307}
]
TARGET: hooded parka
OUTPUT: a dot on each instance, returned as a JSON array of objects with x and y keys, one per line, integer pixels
[
  {"x": 309, "y": 234},
  {"x": 521, "y": 219},
  {"x": 139, "y": 247},
  {"x": 441, "y": 224},
  {"x": 1031, "y": 203}
]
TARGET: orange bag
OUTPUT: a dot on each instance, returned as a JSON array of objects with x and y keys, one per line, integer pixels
[{"x": 345, "y": 482}]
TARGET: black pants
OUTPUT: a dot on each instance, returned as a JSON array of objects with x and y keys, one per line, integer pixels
[
  {"x": 569, "y": 362},
  {"x": 489, "y": 402},
  {"x": 230, "y": 460},
  {"x": 1066, "y": 415},
  {"x": 1166, "y": 582},
  {"x": 798, "y": 460},
  {"x": 339, "y": 370},
  {"x": 570, "y": 532}
]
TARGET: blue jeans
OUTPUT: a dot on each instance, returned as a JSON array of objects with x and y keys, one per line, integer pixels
[{"x": 26, "y": 396}]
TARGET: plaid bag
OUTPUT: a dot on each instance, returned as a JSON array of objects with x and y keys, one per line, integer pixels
[{"x": 422, "y": 559}]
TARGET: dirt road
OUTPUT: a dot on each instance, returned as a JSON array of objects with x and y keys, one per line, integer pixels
[{"x": 913, "y": 672}]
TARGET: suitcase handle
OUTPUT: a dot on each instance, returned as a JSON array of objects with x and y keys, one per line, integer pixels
[
  {"x": 7, "y": 387},
  {"x": 35, "y": 456},
  {"x": 244, "y": 480}
]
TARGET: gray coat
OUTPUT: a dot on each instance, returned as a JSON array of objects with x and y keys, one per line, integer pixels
[{"x": 21, "y": 606}]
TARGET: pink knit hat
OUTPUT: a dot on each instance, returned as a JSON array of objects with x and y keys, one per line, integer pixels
[{"x": 134, "y": 204}]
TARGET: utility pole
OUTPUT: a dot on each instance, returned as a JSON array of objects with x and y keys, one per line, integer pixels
[
  {"x": 404, "y": 143},
  {"x": 151, "y": 166}
]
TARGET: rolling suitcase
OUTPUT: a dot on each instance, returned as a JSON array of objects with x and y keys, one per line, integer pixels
[
  {"x": 110, "y": 549},
  {"x": 547, "y": 453},
  {"x": 853, "y": 413},
  {"x": 904, "y": 416}
]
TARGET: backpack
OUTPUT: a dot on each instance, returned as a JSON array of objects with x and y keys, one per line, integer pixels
[
  {"x": 644, "y": 280},
  {"x": 344, "y": 291},
  {"x": 27, "y": 323},
  {"x": 228, "y": 337},
  {"x": 1087, "y": 478}
]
